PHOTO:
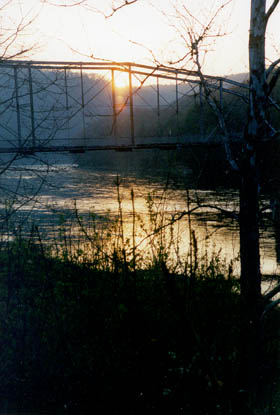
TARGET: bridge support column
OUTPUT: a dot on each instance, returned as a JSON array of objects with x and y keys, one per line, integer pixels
[
  {"x": 158, "y": 108},
  {"x": 131, "y": 108},
  {"x": 177, "y": 106},
  {"x": 201, "y": 104},
  {"x": 17, "y": 107},
  {"x": 67, "y": 106},
  {"x": 114, "y": 125},
  {"x": 31, "y": 107},
  {"x": 83, "y": 104}
]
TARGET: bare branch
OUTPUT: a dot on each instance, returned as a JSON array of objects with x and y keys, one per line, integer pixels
[
  {"x": 271, "y": 9},
  {"x": 74, "y": 4},
  {"x": 272, "y": 293},
  {"x": 273, "y": 80},
  {"x": 211, "y": 100},
  {"x": 194, "y": 40},
  {"x": 115, "y": 9},
  {"x": 274, "y": 104},
  {"x": 84, "y": 3},
  {"x": 272, "y": 67},
  {"x": 177, "y": 217},
  {"x": 155, "y": 60},
  {"x": 269, "y": 307}
]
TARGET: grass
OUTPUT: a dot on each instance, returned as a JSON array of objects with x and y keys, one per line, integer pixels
[{"x": 128, "y": 342}]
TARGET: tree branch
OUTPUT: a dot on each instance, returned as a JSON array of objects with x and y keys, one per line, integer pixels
[
  {"x": 273, "y": 80},
  {"x": 177, "y": 217},
  {"x": 271, "y": 67},
  {"x": 194, "y": 41},
  {"x": 269, "y": 307},
  {"x": 274, "y": 104},
  {"x": 272, "y": 293},
  {"x": 74, "y": 4},
  {"x": 271, "y": 10},
  {"x": 115, "y": 9}
]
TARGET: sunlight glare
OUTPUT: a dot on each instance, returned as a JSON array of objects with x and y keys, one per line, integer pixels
[{"x": 121, "y": 79}]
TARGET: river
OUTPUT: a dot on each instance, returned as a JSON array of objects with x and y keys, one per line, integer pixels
[{"x": 65, "y": 187}]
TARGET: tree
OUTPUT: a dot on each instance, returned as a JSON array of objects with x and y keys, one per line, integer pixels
[
  {"x": 258, "y": 135},
  {"x": 15, "y": 24},
  {"x": 258, "y": 131}
]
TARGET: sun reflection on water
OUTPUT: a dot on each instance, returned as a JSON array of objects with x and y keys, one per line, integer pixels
[{"x": 94, "y": 194}]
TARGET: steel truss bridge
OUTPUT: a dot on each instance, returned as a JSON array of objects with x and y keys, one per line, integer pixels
[{"x": 78, "y": 106}]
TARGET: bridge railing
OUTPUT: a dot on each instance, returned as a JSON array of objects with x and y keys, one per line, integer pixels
[{"x": 76, "y": 106}]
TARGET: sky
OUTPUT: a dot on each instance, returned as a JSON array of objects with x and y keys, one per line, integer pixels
[{"x": 142, "y": 32}]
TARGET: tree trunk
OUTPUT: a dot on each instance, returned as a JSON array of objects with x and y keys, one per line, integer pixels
[
  {"x": 249, "y": 233},
  {"x": 250, "y": 174},
  {"x": 255, "y": 132},
  {"x": 250, "y": 279}
]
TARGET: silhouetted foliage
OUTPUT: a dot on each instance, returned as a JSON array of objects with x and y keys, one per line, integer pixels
[{"x": 123, "y": 342}]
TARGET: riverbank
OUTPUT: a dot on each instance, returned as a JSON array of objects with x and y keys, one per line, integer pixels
[{"x": 106, "y": 336}]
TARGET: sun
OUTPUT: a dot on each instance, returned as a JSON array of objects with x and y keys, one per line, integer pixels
[{"x": 121, "y": 79}]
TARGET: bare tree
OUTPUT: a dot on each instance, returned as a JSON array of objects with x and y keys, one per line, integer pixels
[
  {"x": 259, "y": 131},
  {"x": 258, "y": 135},
  {"x": 15, "y": 24}
]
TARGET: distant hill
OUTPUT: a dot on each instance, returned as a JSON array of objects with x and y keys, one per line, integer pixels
[{"x": 239, "y": 77}]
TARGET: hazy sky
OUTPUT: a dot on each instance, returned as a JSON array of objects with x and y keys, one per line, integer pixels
[{"x": 153, "y": 24}]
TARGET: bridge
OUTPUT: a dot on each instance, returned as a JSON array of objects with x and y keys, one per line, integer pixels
[{"x": 78, "y": 106}]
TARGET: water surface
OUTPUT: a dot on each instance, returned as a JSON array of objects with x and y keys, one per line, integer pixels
[{"x": 64, "y": 188}]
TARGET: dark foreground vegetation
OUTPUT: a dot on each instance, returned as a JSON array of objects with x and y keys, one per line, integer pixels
[{"x": 84, "y": 338}]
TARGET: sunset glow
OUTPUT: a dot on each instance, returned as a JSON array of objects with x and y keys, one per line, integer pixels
[
  {"x": 145, "y": 32},
  {"x": 121, "y": 79}
]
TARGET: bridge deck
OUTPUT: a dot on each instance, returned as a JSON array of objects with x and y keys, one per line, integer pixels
[{"x": 119, "y": 148}]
